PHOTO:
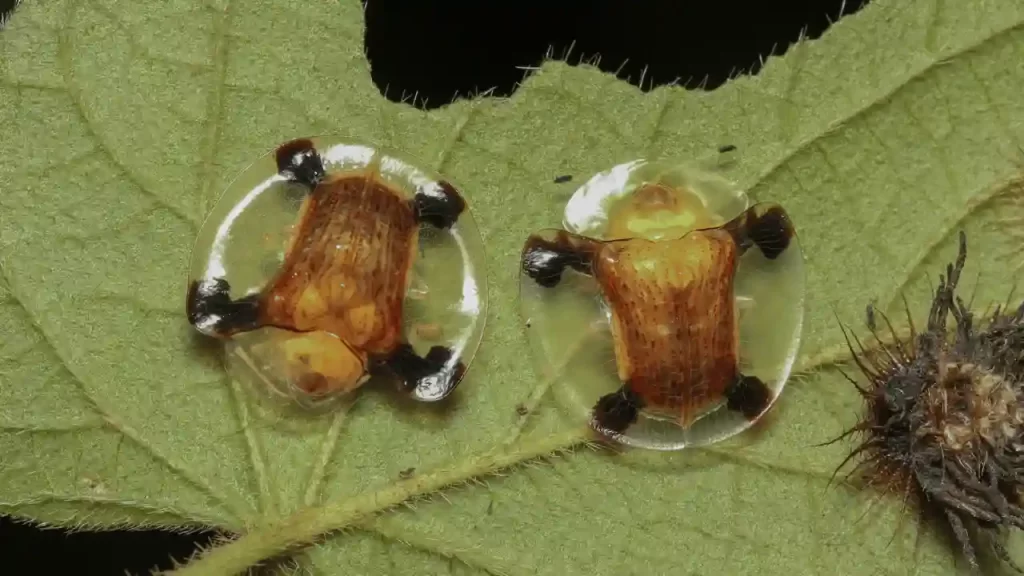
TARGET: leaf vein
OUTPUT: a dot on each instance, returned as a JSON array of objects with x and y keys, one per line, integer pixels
[
  {"x": 787, "y": 110},
  {"x": 19, "y": 85},
  {"x": 27, "y": 428},
  {"x": 978, "y": 201},
  {"x": 609, "y": 123},
  {"x": 268, "y": 504},
  {"x": 327, "y": 452},
  {"x": 138, "y": 49},
  {"x": 432, "y": 546},
  {"x": 996, "y": 109},
  {"x": 658, "y": 117},
  {"x": 310, "y": 523},
  {"x": 65, "y": 57},
  {"x": 292, "y": 102},
  {"x": 109, "y": 418},
  {"x": 67, "y": 163},
  {"x": 453, "y": 139},
  {"x": 43, "y": 498},
  {"x": 930, "y": 33},
  {"x": 884, "y": 97},
  {"x": 215, "y": 107}
]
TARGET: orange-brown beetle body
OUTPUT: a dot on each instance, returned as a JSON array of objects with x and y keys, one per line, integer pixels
[
  {"x": 342, "y": 285},
  {"x": 672, "y": 312}
]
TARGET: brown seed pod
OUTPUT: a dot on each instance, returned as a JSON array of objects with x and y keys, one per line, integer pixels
[{"x": 943, "y": 424}]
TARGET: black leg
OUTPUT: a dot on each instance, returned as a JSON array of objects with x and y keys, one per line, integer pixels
[
  {"x": 545, "y": 259},
  {"x": 766, "y": 226},
  {"x": 749, "y": 396},
  {"x": 440, "y": 205},
  {"x": 212, "y": 311},
  {"x": 429, "y": 378},
  {"x": 299, "y": 162},
  {"x": 616, "y": 412}
]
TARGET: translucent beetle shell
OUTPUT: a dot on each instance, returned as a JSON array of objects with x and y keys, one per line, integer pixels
[
  {"x": 321, "y": 265},
  {"x": 668, "y": 312}
]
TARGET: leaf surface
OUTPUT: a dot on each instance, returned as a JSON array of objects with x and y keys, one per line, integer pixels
[{"x": 123, "y": 125}]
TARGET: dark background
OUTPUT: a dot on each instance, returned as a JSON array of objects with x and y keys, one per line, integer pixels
[{"x": 437, "y": 49}]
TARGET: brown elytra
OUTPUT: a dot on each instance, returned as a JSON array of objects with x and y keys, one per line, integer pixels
[
  {"x": 673, "y": 318},
  {"x": 673, "y": 313},
  {"x": 347, "y": 265}
]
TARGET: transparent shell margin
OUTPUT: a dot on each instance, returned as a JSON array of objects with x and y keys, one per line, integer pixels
[
  {"x": 571, "y": 344},
  {"x": 244, "y": 236},
  {"x": 588, "y": 208},
  {"x": 569, "y": 329}
]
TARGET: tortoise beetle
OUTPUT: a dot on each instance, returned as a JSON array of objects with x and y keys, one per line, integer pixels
[
  {"x": 358, "y": 246},
  {"x": 689, "y": 299}
]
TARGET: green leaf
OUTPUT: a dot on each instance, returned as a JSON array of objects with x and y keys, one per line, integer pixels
[{"x": 123, "y": 124}]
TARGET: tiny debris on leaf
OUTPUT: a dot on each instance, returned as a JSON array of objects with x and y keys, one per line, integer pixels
[
  {"x": 726, "y": 148},
  {"x": 943, "y": 423},
  {"x": 407, "y": 473},
  {"x": 563, "y": 179}
]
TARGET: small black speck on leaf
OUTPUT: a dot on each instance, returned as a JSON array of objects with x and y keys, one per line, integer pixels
[
  {"x": 522, "y": 410},
  {"x": 943, "y": 424},
  {"x": 563, "y": 179},
  {"x": 407, "y": 473},
  {"x": 726, "y": 148}
]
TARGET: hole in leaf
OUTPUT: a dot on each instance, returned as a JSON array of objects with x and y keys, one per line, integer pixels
[
  {"x": 6, "y": 10},
  {"x": 58, "y": 551},
  {"x": 429, "y": 53}
]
